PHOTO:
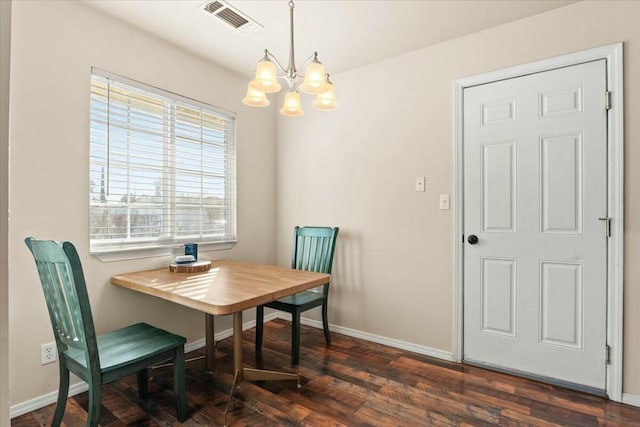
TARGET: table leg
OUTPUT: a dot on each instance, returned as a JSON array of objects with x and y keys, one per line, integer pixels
[
  {"x": 234, "y": 385},
  {"x": 237, "y": 361},
  {"x": 241, "y": 373},
  {"x": 248, "y": 374},
  {"x": 210, "y": 341},
  {"x": 237, "y": 344}
]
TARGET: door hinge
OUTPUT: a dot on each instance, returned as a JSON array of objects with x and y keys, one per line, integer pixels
[
  {"x": 607, "y": 354},
  {"x": 607, "y": 226},
  {"x": 607, "y": 100}
]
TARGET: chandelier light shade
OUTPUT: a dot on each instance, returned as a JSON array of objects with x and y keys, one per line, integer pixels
[
  {"x": 292, "y": 105},
  {"x": 266, "y": 80},
  {"x": 314, "y": 78},
  {"x": 327, "y": 99},
  {"x": 314, "y": 81},
  {"x": 255, "y": 98}
]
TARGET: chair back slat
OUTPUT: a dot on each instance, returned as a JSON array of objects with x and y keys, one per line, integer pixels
[
  {"x": 313, "y": 248},
  {"x": 61, "y": 297},
  {"x": 65, "y": 293}
]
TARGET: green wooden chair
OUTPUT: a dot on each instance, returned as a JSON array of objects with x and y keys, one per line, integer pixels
[
  {"x": 103, "y": 358},
  {"x": 313, "y": 249}
]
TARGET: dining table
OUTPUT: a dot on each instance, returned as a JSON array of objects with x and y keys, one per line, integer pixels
[{"x": 227, "y": 288}]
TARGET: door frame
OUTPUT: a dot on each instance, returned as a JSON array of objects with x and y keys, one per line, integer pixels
[{"x": 615, "y": 196}]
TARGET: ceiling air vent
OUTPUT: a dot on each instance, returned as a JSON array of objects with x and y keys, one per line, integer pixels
[
  {"x": 232, "y": 16},
  {"x": 213, "y": 6}
]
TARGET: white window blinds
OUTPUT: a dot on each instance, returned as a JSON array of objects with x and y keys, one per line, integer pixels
[{"x": 162, "y": 168}]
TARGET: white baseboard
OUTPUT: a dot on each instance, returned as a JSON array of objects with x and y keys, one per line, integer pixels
[
  {"x": 631, "y": 399},
  {"x": 80, "y": 387},
  {"x": 44, "y": 400},
  {"x": 403, "y": 345}
]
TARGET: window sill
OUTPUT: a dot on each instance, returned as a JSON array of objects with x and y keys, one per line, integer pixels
[{"x": 164, "y": 251}]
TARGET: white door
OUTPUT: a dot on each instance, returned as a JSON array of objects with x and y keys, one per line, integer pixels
[{"x": 535, "y": 182}]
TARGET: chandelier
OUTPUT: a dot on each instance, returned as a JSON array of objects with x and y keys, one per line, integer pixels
[{"x": 314, "y": 81}]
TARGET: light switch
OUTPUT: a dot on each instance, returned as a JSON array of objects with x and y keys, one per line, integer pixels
[
  {"x": 444, "y": 202},
  {"x": 419, "y": 183}
]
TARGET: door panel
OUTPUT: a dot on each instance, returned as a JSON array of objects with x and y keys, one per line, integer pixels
[
  {"x": 561, "y": 304},
  {"x": 561, "y": 161},
  {"x": 534, "y": 187},
  {"x": 498, "y": 296},
  {"x": 498, "y": 187}
]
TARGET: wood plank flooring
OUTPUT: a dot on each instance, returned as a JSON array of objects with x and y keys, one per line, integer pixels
[{"x": 349, "y": 383}]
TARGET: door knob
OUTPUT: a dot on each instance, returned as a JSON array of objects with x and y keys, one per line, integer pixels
[{"x": 472, "y": 239}]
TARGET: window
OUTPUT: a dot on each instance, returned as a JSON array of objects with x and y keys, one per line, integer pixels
[{"x": 162, "y": 168}]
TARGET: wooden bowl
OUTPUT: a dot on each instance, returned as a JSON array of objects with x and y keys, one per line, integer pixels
[{"x": 194, "y": 267}]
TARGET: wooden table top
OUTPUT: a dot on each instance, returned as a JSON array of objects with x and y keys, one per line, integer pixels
[{"x": 229, "y": 287}]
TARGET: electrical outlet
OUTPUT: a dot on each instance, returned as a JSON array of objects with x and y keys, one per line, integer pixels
[{"x": 48, "y": 353}]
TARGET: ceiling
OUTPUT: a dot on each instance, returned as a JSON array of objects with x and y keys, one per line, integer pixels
[{"x": 346, "y": 34}]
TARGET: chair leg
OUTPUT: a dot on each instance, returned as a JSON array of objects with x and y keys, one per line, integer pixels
[
  {"x": 143, "y": 383},
  {"x": 325, "y": 322},
  {"x": 95, "y": 401},
  {"x": 259, "y": 326},
  {"x": 179, "y": 384},
  {"x": 63, "y": 393},
  {"x": 295, "y": 338}
]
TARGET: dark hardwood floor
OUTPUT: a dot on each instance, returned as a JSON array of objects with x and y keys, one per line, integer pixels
[{"x": 352, "y": 383}]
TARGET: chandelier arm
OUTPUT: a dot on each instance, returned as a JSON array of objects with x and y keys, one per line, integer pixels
[
  {"x": 306, "y": 61},
  {"x": 273, "y": 57}
]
